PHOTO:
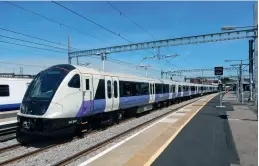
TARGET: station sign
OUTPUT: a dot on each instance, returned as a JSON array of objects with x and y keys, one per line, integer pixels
[{"x": 218, "y": 71}]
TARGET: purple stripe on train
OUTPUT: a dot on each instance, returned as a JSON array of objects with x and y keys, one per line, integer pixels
[
  {"x": 160, "y": 97},
  {"x": 97, "y": 106},
  {"x": 127, "y": 102},
  {"x": 174, "y": 95}
]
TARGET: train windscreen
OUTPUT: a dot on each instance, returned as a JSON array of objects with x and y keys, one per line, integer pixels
[{"x": 42, "y": 89}]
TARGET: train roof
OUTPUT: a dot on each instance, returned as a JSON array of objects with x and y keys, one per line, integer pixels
[{"x": 88, "y": 70}]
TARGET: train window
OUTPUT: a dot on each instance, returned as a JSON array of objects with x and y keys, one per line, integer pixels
[
  {"x": 75, "y": 81},
  {"x": 109, "y": 89},
  {"x": 179, "y": 88},
  {"x": 153, "y": 89},
  {"x": 166, "y": 88},
  {"x": 150, "y": 88},
  {"x": 115, "y": 89},
  {"x": 192, "y": 88},
  {"x": 137, "y": 89},
  {"x": 125, "y": 89},
  {"x": 184, "y": 88},
  {"x": 173, "y": 90},
  {"x": 4, "y": 90},
  {"x": 159, "y": 88},
  {"x": 86, "y": 84},
  {"x": 144, "y": 89},
  {"x": 100, "y": 90}
]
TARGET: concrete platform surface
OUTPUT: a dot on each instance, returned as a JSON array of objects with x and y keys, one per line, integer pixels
[
  {"x": 215, "y": 137},
  {"x": 244, "y": 126},
  {"x": 8, "y": 114},
  {"x": 143, "y": 147},
  {"x": 8, "y": 122}
]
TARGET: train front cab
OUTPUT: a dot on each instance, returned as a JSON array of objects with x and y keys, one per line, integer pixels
[{"x": 50, "y": 103}]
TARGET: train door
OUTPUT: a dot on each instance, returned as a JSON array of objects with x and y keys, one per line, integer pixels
[
  {"x": 87, "y": 92},
  {"x": 173, "y": 91},
  {"x": 116, "y": 93},
  {"x": 151, "y": 92},
  {"x": 111, "y": 93},
  {"x": 170, "y": 91}
]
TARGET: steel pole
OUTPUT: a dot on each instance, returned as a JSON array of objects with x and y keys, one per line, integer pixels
[
  {"x": 103, "y": 59},
  {"x": 250, "y": 70},
  {"x": 241, "y": 82},
  {"x": 69, "y": 50},
  {"x": 256, "y": 54}
]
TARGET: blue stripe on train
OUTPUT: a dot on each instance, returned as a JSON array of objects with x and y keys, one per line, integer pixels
[
  {"x": 126, "y": 102},
  {"x": 160, "y": 97},
  {"x": 98, "y": 107},
  {"x": 9, "y": 107}
]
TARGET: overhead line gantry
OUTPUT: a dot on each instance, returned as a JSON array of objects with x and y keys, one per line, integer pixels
[{"x": 206, "y": 38}]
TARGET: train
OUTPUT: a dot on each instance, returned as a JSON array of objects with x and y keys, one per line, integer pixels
[
  {"x": 12, "y": 91},
  {"x": 64, "y": 97}
]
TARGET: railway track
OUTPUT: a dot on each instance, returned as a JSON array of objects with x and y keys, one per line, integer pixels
[
  {"x": 86, "y": 151},
  {"x": 105, "y": 142},
  {"x": 7, "y": 133},
  {"x": 35, "y": 152}
]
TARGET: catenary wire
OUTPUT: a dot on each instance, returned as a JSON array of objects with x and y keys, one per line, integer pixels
[
  {"x": 130, "y": 19},
  {"x": 32, "y": 42},
  {"x": 31, "y": 46},
  {"x": 57, "y": 22},
  {"x": 34, "y": 37}
]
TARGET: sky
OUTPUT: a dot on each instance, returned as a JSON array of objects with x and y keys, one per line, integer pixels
[{"x": 162, "y": 20}]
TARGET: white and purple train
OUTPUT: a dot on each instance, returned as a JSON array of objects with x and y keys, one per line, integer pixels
[
  {"x": 63, "y": 97},
  {"x": 12, "y": 90}
]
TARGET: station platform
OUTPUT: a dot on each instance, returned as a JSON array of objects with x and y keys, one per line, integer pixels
[
  {"x": 8, "y": 114},
  {"x": 199, "y": 134},
  {"x": 8, "y": 119}
]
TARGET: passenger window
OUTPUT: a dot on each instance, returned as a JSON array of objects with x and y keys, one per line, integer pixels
[
  {"x": 87, "y": 84},
  {"x": 179, "y": 88},
  {"x": 109, "y": 89},
  {"x": 4, "y": 90},
  {"x": 75, "y": 81},
  {"x": 115, "y": 89},
  {"x": 100, "y": 90}
]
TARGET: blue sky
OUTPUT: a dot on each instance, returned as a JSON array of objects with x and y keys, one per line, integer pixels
[{"x": 162, "y": 19}]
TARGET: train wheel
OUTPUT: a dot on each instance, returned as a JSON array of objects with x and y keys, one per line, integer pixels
[{"x": 118, "y": 117}]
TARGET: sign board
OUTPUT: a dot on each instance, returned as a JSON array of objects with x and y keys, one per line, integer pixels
[{"x": 218, "y": 71}]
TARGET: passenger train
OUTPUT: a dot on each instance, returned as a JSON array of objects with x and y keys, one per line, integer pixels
[
  {"x": 12, "y": 91},
  {"x": 63, "y": 97}
]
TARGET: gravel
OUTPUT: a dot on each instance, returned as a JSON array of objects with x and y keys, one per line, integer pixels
[
  {"x": 8, "y": 143},
  {"x": 16, "y": 152},
  {"x": 63, "y": 151}
]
